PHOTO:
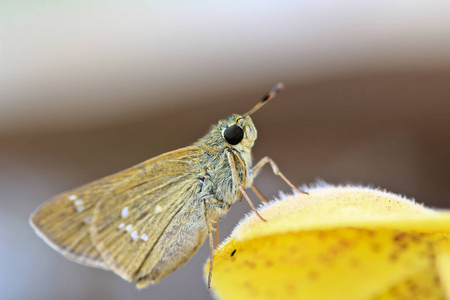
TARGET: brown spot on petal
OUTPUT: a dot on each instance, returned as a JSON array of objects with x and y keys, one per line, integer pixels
[
  {"x": 354, "y": 262},
  {"x": 313, "y": 275},
  {"x": 344, "y": 243},
  {"x": 250, "y": 264},
  {"x": 321, "y": 235},
  {"x": 291, "y": 288},
  {"x": 376, "y": 247},
  {"x": 399, "y": 236},
  {"x": 393, "y": 257},
  {"x": 436, "y": 279}
]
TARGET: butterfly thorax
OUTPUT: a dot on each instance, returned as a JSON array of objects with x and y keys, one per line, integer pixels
[{"x": 215, "y": 177}]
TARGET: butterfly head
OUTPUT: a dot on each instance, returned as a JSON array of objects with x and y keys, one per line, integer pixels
[{"x": 239, "y": 132}]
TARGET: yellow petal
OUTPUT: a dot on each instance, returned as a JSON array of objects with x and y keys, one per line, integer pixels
[
  {"x": 443, "y": 265},
  {"x": 336, "y": 243}
]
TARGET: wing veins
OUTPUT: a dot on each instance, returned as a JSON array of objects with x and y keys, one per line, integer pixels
[
  {"x": 140, "y": 222},
  {"x": 115, "y": 262},
  {"x": 156, "y": 242},
  {"x": 100, "y": 230},
  {"x": 128, "y": 202},
  {"x": 175, "y": 179},
  {"x": 73, "y": 224}
]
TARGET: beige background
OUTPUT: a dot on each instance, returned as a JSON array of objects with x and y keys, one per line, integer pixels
[{"x": 87, "y": 89}]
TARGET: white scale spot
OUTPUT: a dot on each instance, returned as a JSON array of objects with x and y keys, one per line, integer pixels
[
  {"x": 144, "y": 237},
  {"x": 87, "y": 219},
  {"x": 79, "y": 205},
  {"x": 125, "y": 212},
  {"x": 158, "y": 209},
  {"x": 72, "y": 197},
  {"x": 128, "y": 228},
  {"x": 134, "y": 235},
  {"x": 121, "y": 226}
]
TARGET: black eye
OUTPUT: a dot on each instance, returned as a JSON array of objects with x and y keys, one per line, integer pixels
[{"x": 233, "y": 134}]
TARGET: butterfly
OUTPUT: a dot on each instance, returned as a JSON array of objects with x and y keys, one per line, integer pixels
[{"x": 145, "y": 222}]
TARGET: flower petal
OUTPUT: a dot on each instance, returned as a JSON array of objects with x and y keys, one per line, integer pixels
[{"x": 336, "y": 243}]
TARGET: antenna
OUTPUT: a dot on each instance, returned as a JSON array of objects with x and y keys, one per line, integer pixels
[{"x": 268, "y": 96}]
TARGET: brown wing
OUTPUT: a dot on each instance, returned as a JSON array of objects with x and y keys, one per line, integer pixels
[
  {"x": 64, "y": 221},
  {"x": 133, "y": 228}
]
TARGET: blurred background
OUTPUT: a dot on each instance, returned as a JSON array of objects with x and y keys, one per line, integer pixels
[{"x": 88, "y": 88}]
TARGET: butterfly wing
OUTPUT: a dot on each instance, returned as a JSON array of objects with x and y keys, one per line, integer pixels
[
  {"x": 147, "y": 231},
  {"x": 63, "y": 222},
  {"x": 90, "y": 224}
]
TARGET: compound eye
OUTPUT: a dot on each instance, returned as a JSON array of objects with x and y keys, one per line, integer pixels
[{"x": 233, "y": 135}]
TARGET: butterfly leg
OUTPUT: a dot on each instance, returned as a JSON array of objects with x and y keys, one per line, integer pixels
[
  {"x": 240, "y": 185},
  {"x": 259, "y": 194},
  {"x": 216, "y": 232},
  {"x": 212, "y": 244},
  {"x": 257, "y": 168},
  {"x": 240, "y": 195}
]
